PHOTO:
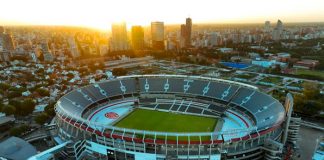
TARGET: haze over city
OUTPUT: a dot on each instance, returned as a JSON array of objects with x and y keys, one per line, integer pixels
[{"x": 101, "y": 13}]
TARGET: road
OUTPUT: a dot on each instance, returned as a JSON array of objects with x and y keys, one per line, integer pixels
[{"x": 307, "y": 141}]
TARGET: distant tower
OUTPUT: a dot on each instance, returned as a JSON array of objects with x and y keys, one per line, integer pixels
[
  {"x": 277, "y": 32},
  {"x": 7, "y": 42},
  {"x": 183, "y": 35},
  {"x": 138, "y": 37},
  {"x": 267, "y": 26},
  {"x": 119, "y": 37},
  {"x": 188, "y": 32},
  {"x": 213, "y": 39},
  {"x": 73, "y": 47},
  {"x": 280, "y": 26},
  {"x": 157, "y": 32}
]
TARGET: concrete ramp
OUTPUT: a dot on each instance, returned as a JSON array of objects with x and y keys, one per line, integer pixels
[{"x": 45, "y": 155}]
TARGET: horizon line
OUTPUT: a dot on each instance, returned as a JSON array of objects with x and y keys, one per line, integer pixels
[{"x": 22, "y": 24}]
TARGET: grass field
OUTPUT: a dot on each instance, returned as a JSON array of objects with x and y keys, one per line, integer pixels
[
  {"x": 143, "y": 119},
  {"x": 245, "y": 76},
  {"x": 310, "y": 73},
  {"x": 274, "y": 80}
]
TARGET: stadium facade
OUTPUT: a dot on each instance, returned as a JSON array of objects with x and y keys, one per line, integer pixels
[{"x": 251, "y": 124}]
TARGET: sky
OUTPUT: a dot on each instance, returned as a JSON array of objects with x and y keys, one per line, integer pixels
[{"x": 101, "y": 13}]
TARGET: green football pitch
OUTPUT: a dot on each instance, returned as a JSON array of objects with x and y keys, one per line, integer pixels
[{"x": 151, "y": 120}]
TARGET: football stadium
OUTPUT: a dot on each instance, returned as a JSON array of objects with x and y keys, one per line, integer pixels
[{"x": 156, "y": 117}]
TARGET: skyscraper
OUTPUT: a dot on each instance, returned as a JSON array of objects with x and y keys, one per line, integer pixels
[
  {"x": 213, "y": 39},
  {"x": 6, "y": 42},
  {"x": 157, "y": 32},
  {"x": 277, "y": 32},
  {"x": 280, "y": 26},
  {"x": 183, "y": 35},
  {"x": 267, "y": 26},
  {"x": 138, "y": 37},
  {"x": 185, "y": 40},
  {"x": 188, "y": 32},
  {"x": 73, "y": 47},
  {"x": 119, "y": 37}
]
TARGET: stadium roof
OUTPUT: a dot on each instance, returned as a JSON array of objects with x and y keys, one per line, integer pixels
[{"x": 17, "y": 149}]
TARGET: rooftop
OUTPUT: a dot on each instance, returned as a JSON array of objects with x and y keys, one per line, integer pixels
[{"x": 17, "y": 149}]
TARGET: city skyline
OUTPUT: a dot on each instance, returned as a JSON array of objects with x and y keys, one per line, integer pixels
[
  {"x": 101, "y": 14},
  {"x": 142, "y": 80}
]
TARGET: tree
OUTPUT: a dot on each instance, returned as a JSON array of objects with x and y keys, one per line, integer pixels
[
  {"x": 14, "y": 94},
  {"x": 21, "y": 58},
  {"x": 41, "y": 118},
  {"x": 1, "y": 106},
  {"x": 70, "y": 75},
  {"x": 49, "y": 109},
  {"x": 119, "y": 71},
  {"x": 4, "y": 86},
  {"x": 23, "y": 108},
  {"x": 43, "y": 92},
  {"x": 311, "y": 90},
  {"x": 101, "y": 65},
  {"x": 311, "y": 102},
  {"x": 8, "y": 109},
  {"x": 41, "y": 57},
  {"x": 148, "y": 71},
  {"x": 277, "y": 69},
  {"x": 28, "y": 106},
  {"x": 17, "y": 131},
  {"x": 50, "y": 82}
]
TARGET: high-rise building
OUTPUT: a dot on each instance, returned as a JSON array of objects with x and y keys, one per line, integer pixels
[
  {"x": 267, "y": 26},
  {"x": 119, "y": 40},
  {"x": 277, "y": 32},
  {"x": 6, "y": 42},
  {"x": 280, "y": 26},
  {"x": 185, "y": 40},
  {"x": 103, "y": 49},
  {"x": 213, "y": 39},
  {"x": 157, "y": 32},
  {"x": 73, "y": 47},
  {"x": 183, "y": 36},
  {"x": 138, "y": 37},
  {"x": 188, "y": 32}
]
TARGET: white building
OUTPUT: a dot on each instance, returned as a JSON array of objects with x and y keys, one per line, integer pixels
[
  {"x": 119, "y": 40},
  {"x": 73, "y": 47},
  {"x": 157, "y": 32},
  {"x": 267, "y": 26}
]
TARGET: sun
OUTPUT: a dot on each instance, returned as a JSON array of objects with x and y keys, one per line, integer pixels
[{"x": 101, "y": 13}]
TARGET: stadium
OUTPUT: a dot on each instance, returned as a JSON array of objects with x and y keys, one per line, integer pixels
[{"x": 155, "y": 117}]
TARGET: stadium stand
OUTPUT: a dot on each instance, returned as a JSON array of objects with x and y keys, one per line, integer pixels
[{"x": 183, "y": 94}]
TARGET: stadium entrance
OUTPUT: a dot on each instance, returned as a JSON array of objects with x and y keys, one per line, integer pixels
[{"x": 116, "y": 155}]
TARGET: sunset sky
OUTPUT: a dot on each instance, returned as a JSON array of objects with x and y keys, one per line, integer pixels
[{"x": 101, "y": 13}]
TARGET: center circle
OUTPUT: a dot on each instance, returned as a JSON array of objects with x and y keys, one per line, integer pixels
[{"x": 112, "y": 115}]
